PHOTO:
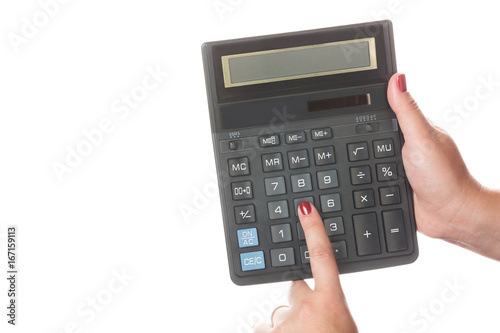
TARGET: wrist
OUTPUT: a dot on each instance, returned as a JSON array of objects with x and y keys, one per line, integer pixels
[
  {"x": 486, "y": 226},
  {"x": 477, "y": 226}
]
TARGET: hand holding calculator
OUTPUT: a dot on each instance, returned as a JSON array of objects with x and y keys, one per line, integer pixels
[{"x": 304, "y": 117}]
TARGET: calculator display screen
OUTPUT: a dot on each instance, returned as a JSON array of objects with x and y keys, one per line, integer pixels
[{"x": 299, "y": 62}]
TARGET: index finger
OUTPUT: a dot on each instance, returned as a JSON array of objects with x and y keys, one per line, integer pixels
[{"x": 323, "y": 265}]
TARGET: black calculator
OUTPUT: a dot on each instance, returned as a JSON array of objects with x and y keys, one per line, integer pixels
[{"x": 304, "y": 116}]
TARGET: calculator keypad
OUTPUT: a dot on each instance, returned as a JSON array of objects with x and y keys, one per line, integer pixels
[{"x": 357, "y": 186}]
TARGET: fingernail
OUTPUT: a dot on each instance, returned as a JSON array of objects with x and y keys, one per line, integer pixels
[
  {"x": 305, "y": 208},
  {"x": 401, "y": 81}
]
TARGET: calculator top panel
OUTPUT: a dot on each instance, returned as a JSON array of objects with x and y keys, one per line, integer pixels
[{"x": 368, "y": 49}]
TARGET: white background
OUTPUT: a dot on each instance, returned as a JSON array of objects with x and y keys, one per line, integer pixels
[{"x": 118, "y": 211}]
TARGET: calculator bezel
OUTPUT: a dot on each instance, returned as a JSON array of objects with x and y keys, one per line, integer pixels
[
  {"x": 220, "y": 98},
  {"x": 381, "y": 31}
]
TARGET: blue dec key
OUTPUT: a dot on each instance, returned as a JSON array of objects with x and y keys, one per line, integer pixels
[{"x": 252, "y": 260}]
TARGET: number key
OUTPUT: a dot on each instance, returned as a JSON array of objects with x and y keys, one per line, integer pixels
[
  {"x": 327, "y": 179},
  {"x": 278, "y": 209},
  {"x": 275, "y": 186},
  {"x": 301, "y": 183},
  {"x": 282, "y": 257},
  {"x": 281, "y": 233},
  {"x": 242, "y": 190},
  {"x": 330, "y": 203},
  {"x": 334, "y": 226}
]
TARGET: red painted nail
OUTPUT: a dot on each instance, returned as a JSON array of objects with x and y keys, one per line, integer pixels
[
  {"x": 305, "y": 208},
  {"x": 401, "y": 81}
]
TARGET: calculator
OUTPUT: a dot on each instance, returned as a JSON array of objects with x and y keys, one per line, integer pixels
[{"x": 304, "y": 116}]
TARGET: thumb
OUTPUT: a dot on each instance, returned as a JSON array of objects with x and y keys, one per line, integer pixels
[{"x": 414, "y": 124}]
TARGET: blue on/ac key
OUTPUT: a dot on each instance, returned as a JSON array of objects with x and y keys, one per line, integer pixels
[
  {"x": 252, "y": 260},
  {"x": 248, "y": 237}
]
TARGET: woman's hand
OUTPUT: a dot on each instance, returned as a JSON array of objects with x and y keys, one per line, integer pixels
[
  {"x": 323, "y": 309},
  {"x": 449, "y": 203}
]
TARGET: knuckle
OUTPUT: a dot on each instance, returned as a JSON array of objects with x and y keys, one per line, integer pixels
[
  {"x": 440, "y": 135},
  {"x": 411, "y": 103},
  {"x": 307, "y": 309},
  {"x": 321, "y": 252}
]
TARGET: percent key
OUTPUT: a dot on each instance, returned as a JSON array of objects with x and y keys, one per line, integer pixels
[{"x": 387, "y": 171}]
